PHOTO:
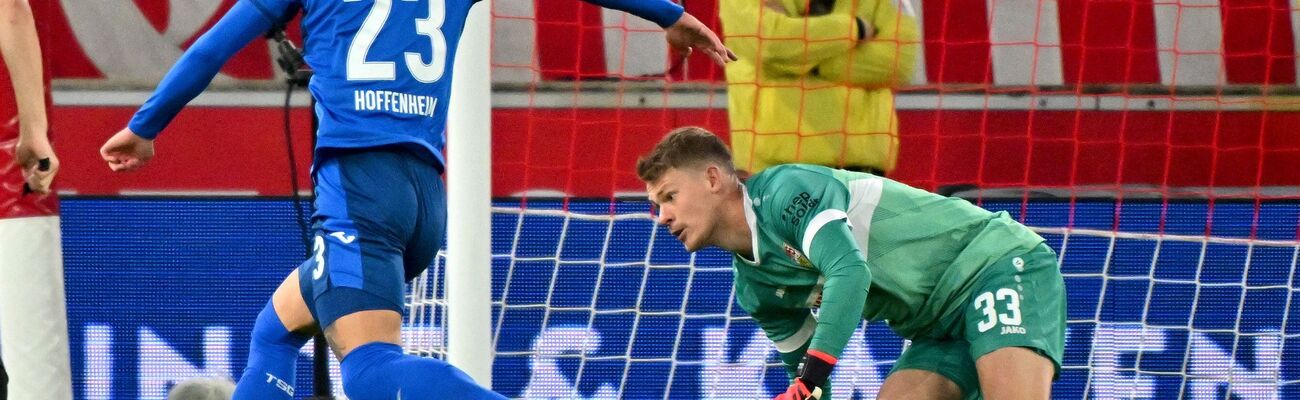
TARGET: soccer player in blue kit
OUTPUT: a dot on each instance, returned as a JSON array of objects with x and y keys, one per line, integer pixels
[{"x": 382, "y": 79}]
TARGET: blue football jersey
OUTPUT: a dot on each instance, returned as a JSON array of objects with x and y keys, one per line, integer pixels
[{"x": 382, "y": 67}]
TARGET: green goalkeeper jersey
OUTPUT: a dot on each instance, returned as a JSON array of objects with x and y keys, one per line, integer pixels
[{"x": 859, "y": 246}]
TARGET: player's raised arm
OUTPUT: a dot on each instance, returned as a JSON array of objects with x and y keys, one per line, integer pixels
[
  {"x": 685, "y": 33},
  {"x": 131, "y": 147},
  {"x": 22, "y": 55}
]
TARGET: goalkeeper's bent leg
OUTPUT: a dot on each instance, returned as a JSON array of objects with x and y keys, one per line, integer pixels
[
  {"x": 380, "y": 371},
  {"x": 272, "y": 359}
]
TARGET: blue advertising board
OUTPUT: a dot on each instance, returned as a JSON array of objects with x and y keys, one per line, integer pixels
[{"x": 164, "y": 289}]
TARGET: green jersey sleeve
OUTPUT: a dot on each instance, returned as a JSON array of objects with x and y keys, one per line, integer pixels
[
  {"x": 813, "y": 213},
  {"x": 845, "y": 292},
  {"x": 805, "y": 200}
]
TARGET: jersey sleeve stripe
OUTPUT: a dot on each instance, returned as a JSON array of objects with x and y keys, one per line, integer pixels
[
  {"x": 795, "y": 341},
  {"x": 864, "y": 196},
  {"x": 818, "y": 221}
]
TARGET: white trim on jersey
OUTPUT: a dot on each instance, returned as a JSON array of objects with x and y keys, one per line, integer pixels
[
  {"x": 864, "y": 196},
  {"x": 752, "y": 220},
  {"x": 795, "y": 341},
  {"x": 822, "y": 218}
]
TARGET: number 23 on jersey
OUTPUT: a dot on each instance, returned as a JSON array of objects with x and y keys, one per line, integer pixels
[{"x": 360, "y": 68}]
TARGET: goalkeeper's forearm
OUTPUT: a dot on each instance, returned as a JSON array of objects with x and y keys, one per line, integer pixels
[
  {"x": 833, "y": 251},
  {"x": 810, "y": 374},
  {"x": 844, "y": 295}
]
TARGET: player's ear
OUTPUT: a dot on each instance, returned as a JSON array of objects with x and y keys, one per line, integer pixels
[{"x": 714, "y": 176}]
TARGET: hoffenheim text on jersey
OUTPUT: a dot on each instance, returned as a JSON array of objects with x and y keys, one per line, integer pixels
[{"x": 394, "y": 102}]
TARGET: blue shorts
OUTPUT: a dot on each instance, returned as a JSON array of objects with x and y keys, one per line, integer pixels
[{"x": 380, "y": 218}]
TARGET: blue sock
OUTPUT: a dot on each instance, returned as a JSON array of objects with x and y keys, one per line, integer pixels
[
  {"x": 379, "y": 371},
  {"x": 272, "y": 360}
]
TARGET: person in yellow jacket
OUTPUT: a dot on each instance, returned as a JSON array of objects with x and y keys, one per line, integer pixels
[{"x": 814, "y": 79}]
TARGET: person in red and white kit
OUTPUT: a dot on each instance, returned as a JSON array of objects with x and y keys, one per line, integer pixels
[{"x": 33, "y": 319}]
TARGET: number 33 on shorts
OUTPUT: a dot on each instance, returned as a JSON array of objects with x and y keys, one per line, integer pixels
[
  {"x": 1010, "y": 320},
  {"x": 1019, "y": 301}
]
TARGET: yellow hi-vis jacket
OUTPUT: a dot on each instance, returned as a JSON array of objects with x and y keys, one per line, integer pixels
[{"x": 805, "y": 90}]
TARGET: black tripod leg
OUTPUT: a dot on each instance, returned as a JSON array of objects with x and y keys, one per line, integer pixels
[{"x": 4, "y": 382}]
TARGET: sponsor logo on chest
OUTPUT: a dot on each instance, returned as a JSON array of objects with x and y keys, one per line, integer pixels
[{"x": 798, "y": 208}]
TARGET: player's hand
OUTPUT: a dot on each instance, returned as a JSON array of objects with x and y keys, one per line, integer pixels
[
  {"x": 800, "y": 391},
  {"x": 689, "y": 33},
  {"x": 126, "y": 151},
  {"x": 36, "y": 158},
  {"x": 814, "y": 373}
]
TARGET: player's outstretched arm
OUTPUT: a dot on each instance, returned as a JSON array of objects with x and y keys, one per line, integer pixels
[
  {"x": 22, "y": 55},
  {"x": 196, "y": 68},
  {"x": 685, "y": 32},
  {"x": 132, "y": 147}
]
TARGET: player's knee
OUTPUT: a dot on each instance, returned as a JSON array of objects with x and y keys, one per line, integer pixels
[
  {"x": 1015, "y": 373},
  {"x": 368, "y": 371},
  {"x": 434, "y": 378},
  {"x": 919, "y": 384},
  {"x": 381, "y": 371},
  {"x": 272, "y": 358},
  {"x": 268, "y": 331}
]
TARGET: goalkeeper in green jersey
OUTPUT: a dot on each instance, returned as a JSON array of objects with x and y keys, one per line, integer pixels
[{"x": 980, "y": 296}]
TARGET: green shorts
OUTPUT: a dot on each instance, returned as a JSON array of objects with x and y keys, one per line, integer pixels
[{"x": 1019, "y": 301}]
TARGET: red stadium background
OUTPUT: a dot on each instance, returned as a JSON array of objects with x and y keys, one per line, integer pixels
[
  {"x": 1107, "y": 101},
  {"x": 1115, "y": 98}
]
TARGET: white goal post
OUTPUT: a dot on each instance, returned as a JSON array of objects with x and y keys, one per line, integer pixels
[{"x": 469, "y": 202}]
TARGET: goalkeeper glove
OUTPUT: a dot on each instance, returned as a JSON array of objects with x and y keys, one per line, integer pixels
[{"x": 814, "y": 373}]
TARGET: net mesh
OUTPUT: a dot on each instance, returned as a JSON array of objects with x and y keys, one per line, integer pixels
[
  {"x": 608, "y": 306},
  {"x": 1151, "y": 143}
]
